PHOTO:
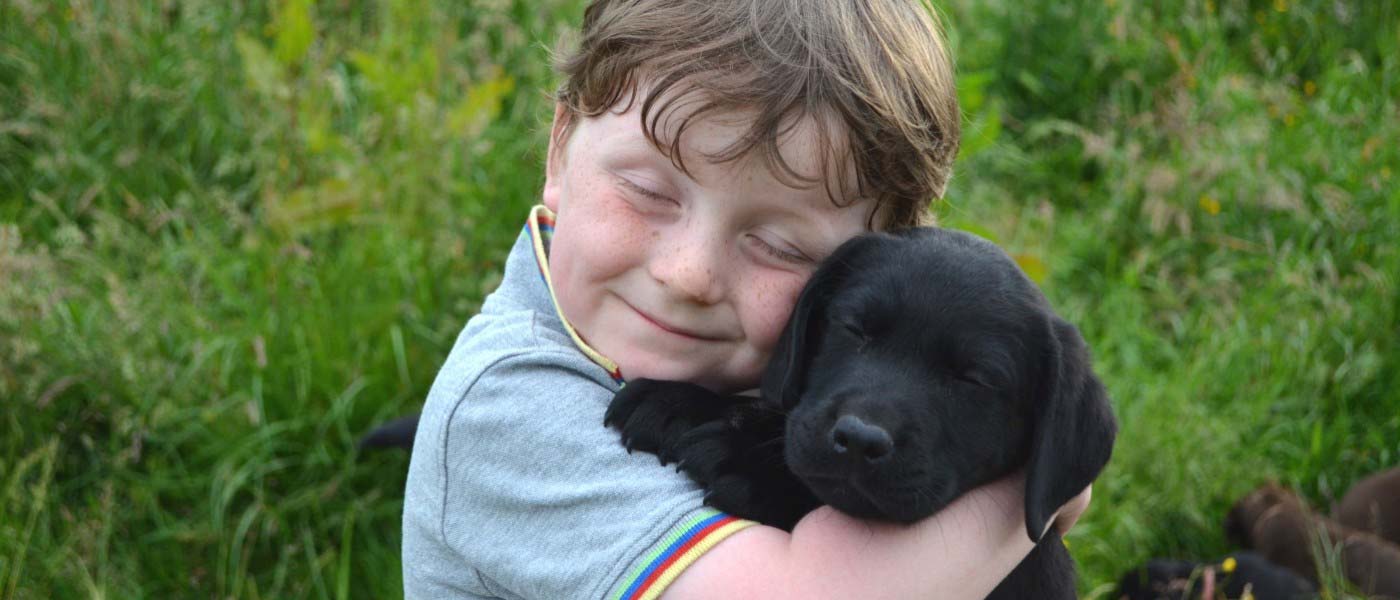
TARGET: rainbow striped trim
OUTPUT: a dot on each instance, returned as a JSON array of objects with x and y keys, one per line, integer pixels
[
  {"x": 684, "y": 544},
  {"x": 540, "y": 226}
]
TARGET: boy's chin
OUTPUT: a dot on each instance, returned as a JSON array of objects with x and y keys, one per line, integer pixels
[{"x": 715, "y": 379}]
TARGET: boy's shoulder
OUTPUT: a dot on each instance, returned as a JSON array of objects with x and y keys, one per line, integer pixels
[
  {"x": 516, "y": 487},
  {"x": 519, "y": 345},
  {"x": 518, "y": 332},
  {"x": 504, "y": 329},
  {"x": 516, "y": 346}
]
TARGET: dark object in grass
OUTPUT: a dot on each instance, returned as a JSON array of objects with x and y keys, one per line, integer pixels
[
  {"x": 1232, "y": 576},
  {"x": 1373, "y": 505},
  {"x": 916, "y": 366},
  {"x": 394, "y": 434},
  {"x": 1279, "y": 525}
]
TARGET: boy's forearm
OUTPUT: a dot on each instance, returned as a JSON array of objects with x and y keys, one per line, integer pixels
[{"x": 964, "y": 551}]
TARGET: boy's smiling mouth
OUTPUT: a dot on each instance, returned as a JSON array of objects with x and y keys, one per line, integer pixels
[{"x": 674, "y": 329}]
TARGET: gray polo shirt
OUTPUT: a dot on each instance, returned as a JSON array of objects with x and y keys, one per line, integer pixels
[{"x": 516, "y": 488}]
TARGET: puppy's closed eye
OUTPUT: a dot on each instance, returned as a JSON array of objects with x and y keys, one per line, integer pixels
[
  {"x": 854, "y": 330},
  {"x": 977, "y": 378}
]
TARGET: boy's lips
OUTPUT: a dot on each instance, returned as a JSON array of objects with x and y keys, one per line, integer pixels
[{"x": 674, "y": 329}]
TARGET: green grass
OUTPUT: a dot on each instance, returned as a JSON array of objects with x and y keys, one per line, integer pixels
[{"x": 233, "y": 237}]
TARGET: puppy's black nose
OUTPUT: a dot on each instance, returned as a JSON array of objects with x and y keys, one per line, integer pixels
[{"x": 860, "y": 438}]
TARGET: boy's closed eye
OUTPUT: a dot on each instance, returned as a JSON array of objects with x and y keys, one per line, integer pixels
[
  {"x": 773, "y": 248},
  {"x": 646, "y": 193}
]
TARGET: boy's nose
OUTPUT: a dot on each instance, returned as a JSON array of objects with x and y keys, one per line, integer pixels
[{"x": 691, "y": 270}]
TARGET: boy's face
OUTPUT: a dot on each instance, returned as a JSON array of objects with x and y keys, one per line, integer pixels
[{"x": 681, "y": 278}]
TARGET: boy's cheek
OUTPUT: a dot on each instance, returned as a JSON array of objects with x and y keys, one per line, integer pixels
[
  {"x": 771, "y": 305},
  {"x": 608, "y": 239}
]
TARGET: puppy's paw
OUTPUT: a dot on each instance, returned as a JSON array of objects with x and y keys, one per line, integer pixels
[
  {"x": 733, "y": 494},
  {"x": 738, "y": 460},
  {"x": 708, "y": 451},
  {"x": 652, "y": 415}
]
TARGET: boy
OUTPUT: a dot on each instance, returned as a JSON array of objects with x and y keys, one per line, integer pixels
[{"x": 705, "y": 155}]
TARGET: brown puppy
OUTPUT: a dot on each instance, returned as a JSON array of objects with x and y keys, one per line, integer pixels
[
  {"x": 1373, "y": 505},
  {"x": 1278, "y": 524}
]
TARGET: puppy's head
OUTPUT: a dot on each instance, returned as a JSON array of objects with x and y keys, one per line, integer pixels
[
  {"x": 1373, "y": 505},
  {"x": 1268, "y": 499},
  {"x": 1161, "y": 579},
  {"x": 919, "y": 365}
]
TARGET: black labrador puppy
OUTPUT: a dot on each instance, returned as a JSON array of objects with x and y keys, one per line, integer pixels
[
  {"x": 1232, "y": 577},
  {"x": 916, "y": 366}
]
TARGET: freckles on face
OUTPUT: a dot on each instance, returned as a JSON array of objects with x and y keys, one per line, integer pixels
[
  {"x": 680, "y": 276},
  {"x": 770, "y": 301},
  {"x": 766, "y": 305},
  {"x": 598, "y": 239}
]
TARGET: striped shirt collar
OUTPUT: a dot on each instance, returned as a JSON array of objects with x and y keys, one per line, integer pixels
[{"x": 540, "y": 226}]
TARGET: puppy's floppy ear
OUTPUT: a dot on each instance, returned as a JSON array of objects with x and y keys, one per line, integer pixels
[
  {"x": 787, "y": 370},
  {"x": 782, "y": 379},
  {"x": 1073, "y": 426}
]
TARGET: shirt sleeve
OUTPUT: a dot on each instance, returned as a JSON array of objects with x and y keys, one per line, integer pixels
[{"x": 539, "y": 499}]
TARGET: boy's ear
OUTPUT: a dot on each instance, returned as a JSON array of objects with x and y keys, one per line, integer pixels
[{"x": 554, "y": 159}]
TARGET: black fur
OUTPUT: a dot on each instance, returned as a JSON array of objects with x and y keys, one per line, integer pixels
[
  {"x": 915, "y": 367},
  {"x": 398, "y": 433},
  {"x": 1164, "y": 579}
]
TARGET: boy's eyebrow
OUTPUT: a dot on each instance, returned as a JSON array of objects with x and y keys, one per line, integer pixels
[
  {"x": 694, "y": 175},
  {"x": 669, "y": 133},
  {"x": 630, "y": 144}
]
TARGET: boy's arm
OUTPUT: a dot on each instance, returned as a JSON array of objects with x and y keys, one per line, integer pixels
[{"x": 963, "y": 551}]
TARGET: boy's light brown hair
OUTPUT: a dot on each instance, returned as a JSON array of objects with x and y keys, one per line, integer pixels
[{"x": 876, "y": 69}]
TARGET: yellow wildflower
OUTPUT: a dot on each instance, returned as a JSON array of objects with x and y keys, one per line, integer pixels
[
  {"x": 1369, "y": 148},
  {"x": 1229, "y": 565},
  {"x": 1212, "y": 206}
]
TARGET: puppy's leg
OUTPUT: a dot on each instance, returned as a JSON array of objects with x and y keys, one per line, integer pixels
[
  {"x": 652, "y": 414},
  {"x": 730, "y": 445},
  {"x": 739, "y": 461},
  {"x": 398, "y": 433}
]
